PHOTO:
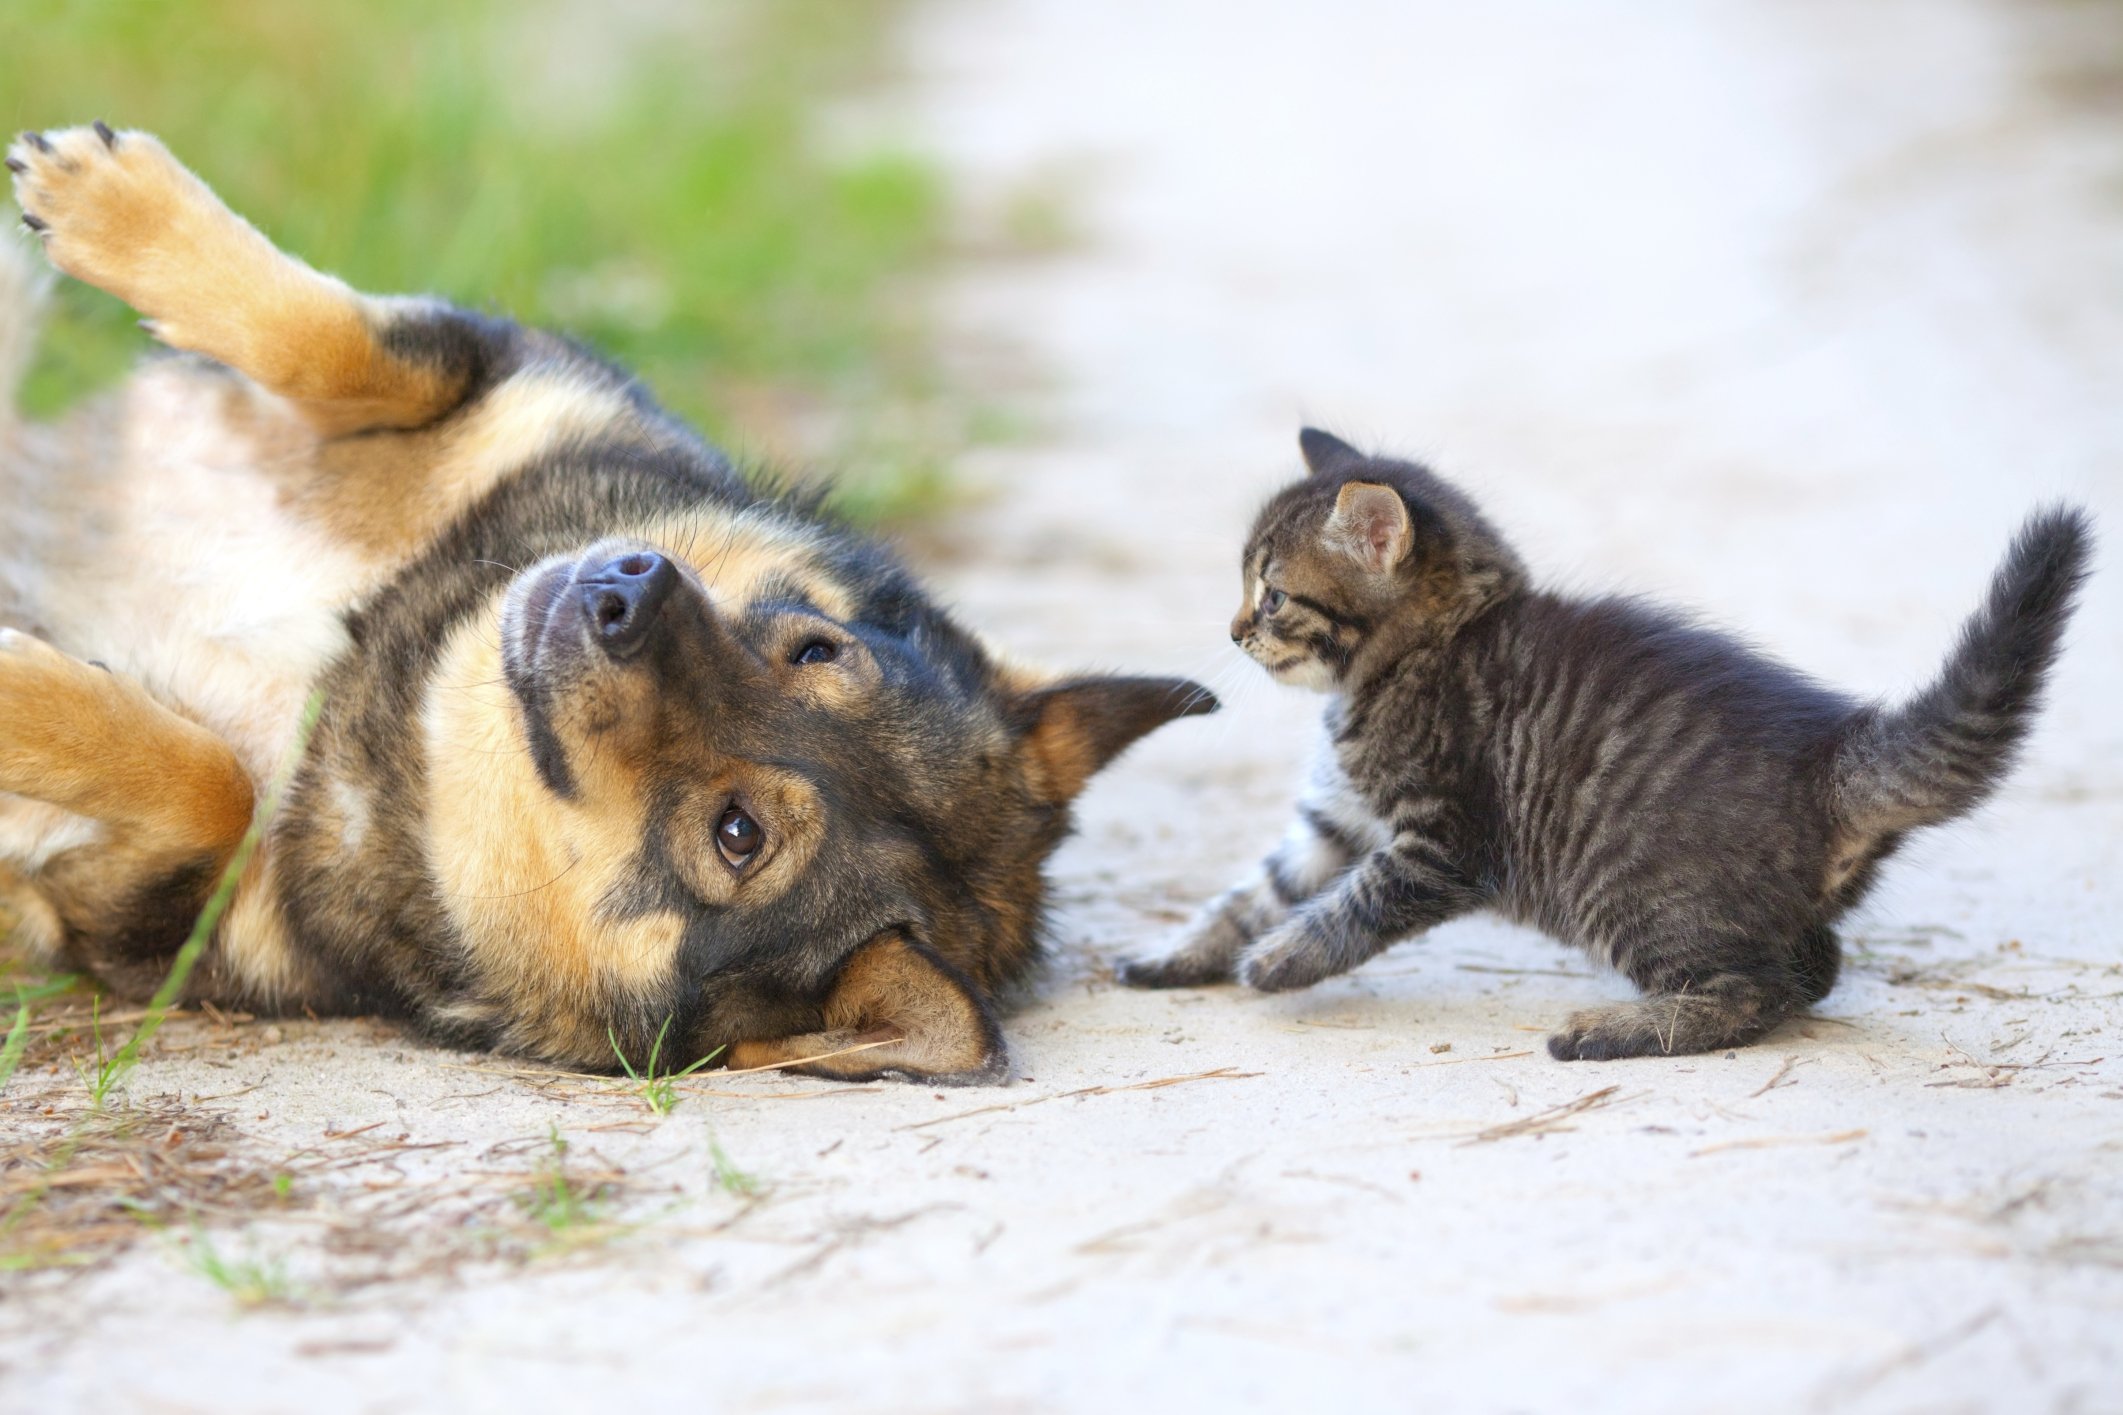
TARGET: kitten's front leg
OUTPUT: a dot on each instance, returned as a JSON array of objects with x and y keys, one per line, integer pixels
[
  {"x": 1410, "y": 885},
  {"x": 1308, "y": 858}
]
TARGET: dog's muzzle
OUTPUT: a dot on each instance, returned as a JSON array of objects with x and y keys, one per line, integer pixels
[{"x": 621, "y": 599}]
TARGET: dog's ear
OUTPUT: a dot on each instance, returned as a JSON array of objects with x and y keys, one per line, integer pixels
[
  {"x": 896, "y": 1011},
  {"x": 1325, "y": 454},
  {"x": 1072, "y": 729}
]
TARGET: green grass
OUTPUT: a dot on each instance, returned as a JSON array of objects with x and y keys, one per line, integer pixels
[
  {"x": 658, "y": 1090},
  {"x": 556, "y": 1201},
  {"x": 737, "y": 1183},
  {"x": 17, "y": 1038},
  {"x": 27, "y": 995},
  {"x": 649, "y": 177},
  {"x": 250, "y": 1282}
]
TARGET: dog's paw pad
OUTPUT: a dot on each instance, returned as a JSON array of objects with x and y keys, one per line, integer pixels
[{"x": 99, "y": 199}]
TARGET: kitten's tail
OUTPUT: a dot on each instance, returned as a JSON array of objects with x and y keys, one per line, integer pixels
[{"x": 1941, "y": 753}]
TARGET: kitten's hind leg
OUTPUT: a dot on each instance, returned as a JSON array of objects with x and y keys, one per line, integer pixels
[
  {"x": 1309, "y": 858},
  {"x": 1702, "y": 1008}
]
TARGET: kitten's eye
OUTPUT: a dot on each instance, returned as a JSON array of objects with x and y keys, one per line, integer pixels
[
  {"x": 738, "y": 837},
  {"x": 815, "y": 651},
  {"x": 1274, "y": 600}
]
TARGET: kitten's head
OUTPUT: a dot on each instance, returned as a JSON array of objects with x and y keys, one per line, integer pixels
[{"x": 1361, "y": 549}]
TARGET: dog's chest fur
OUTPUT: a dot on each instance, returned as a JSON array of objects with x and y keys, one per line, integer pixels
[{"x": 167, "y": 561}]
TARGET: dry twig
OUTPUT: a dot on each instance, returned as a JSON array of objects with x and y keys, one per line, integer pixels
[{"x": 1546, "y": 1122}]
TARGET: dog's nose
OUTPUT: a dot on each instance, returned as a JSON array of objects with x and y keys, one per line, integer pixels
[{"x": 620, "y": 599}]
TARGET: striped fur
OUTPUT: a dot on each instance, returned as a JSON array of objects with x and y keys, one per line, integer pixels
[{"x": 1650, "y": 790}]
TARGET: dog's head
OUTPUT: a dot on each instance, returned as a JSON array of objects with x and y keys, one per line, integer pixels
[{"x": 740, "y": 784}]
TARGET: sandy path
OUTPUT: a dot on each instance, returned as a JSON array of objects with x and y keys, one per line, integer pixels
[{"x": 1781, "y": 312}]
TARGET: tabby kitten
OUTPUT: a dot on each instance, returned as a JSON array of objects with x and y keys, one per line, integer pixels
[{"x": 1653, "y": 791}]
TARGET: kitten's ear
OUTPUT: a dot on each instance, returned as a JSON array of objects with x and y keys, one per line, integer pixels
[
  {"x": 1326, "y": 454},
  {"x": 1073, "y": 728},
  {"x": 1371, "y": 525}
]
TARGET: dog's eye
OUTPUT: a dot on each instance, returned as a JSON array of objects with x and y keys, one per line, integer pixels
[
  {"x": 1274, "y": 600},
  {"x": 815, "y": 651},
  {"x": 738, "y": 836}
]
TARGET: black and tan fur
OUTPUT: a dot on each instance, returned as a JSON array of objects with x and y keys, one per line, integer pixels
[
  {"x": 609, "y": 740},
  {"x": 1653, "y": 791}
]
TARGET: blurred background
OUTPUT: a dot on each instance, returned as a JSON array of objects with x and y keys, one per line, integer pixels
[{"x": 649, "y": 176}]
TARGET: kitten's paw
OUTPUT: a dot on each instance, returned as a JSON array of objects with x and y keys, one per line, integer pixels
[
  {"x": 1288, "y": 958},
  {"x": 1612, "y": 1033},
  {"x": 1206, "y": 954},
  {"x": 107, "y": 205},
  {"x": 1179, "y": 970},
  {"x": 1723, "y": 1011}
]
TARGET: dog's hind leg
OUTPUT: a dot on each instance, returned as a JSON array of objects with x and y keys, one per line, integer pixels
[
  {"x": 169, "y": 798},
  {"x": 117, "y": 211}
]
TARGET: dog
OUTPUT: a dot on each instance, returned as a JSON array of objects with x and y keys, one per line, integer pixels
[{"x": 611, "y": 752}]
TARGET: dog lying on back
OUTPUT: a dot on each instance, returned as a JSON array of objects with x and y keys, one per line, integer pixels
[{"x": 611, "y": 746}]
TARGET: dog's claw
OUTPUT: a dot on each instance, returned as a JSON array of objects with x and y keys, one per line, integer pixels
[
  {"x": 103, "y": 130},
  {"x": 35, "y": 223},
  {"x": 38, "y": 141},
  {"x": 17, "y": 166}
]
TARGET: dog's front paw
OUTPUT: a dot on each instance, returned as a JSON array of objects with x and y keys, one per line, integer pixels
[
  {"x": 1296, "y": 955},
  {"x": 104, "y": 203}
]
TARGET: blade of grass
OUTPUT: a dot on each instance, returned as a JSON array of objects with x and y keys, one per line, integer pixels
[
  {"x": 658, "y": 1091},
  {"x": 17, "y": 1039}
]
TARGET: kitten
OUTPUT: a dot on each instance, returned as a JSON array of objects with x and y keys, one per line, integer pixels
[{"x": 1655, "y": 792}]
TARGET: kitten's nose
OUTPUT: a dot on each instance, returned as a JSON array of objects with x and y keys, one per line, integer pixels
[{"x": 1239, "y": 626}]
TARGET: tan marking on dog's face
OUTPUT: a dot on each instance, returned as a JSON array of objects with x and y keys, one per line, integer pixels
[
  {"x": 545, "y": 888},
  {"x": 523, "y": 872},
  {"x": 736, "y": 555},
  {"x": 815, "y": 659}
]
